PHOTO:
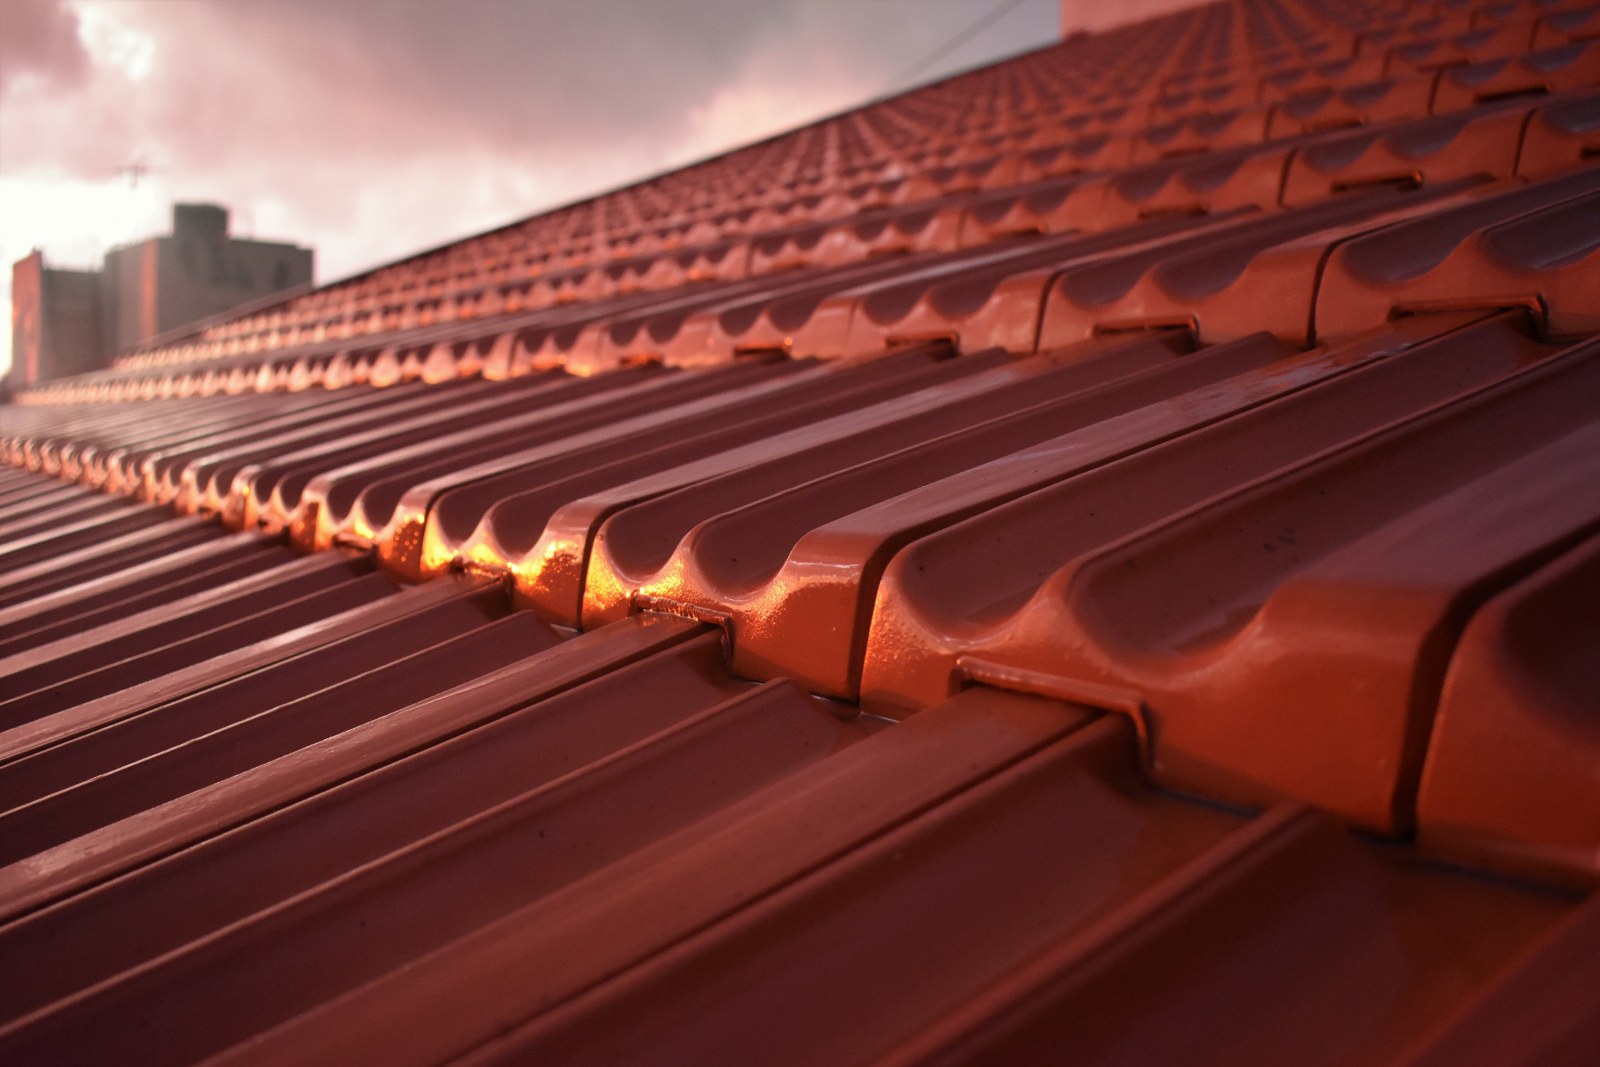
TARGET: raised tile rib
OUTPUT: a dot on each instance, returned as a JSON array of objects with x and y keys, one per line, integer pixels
[
  {"x": 101, "y": 558},
  {"x": 1327, "y": 107},
  {"x": 993, "y": 300},
  {"x": 547, "y": 535},
  {"x": 1247, "y": 995},
  {"x": 1539, "y": 1012},
  {"x": 201, "y": 483},
  {"x": 1566, "y": 25},
  {"x": 1512, "y": 778},
  {"x": 645, "y": 549},
  {"x": 1263, "y": 273},
  {"x": 517, "y": 527},
  {"x": 179, "y": 747},
  {"x": 1045, "y": 848},
  {"x": 1532, "y": 246},
  {"x": 1560, "y": 136},
  {"x": 330, "y": 497},
  {"x": 830, "y": 537},
  {"x": 1265, "y": 589},
  {"x": 450, "y": 506},
  {"x": 53, "y": 726},
  {"x": 629, "y": 910},
  {"x": 117, "y": 655},
  {"x": 1428, "y": 151},
  {"x": 282, "y": 783},
  {"x": 120, "y": 595},
  {"x": 1092, "y": 559},
  {"x": 24, "y": 521},
  {"x": 586, "y": 762},
  {"x": 1575, "y": 65},
  {"x": 265, "y": 491},
  {"x": 961, "y": 589},
  {"x": 41, "y": 547}
]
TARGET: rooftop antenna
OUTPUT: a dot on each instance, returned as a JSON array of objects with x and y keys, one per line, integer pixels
[{"x": 136, "y": 171}]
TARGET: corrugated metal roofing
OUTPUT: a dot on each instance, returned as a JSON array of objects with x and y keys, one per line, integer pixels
[{"x": 1092, "y": 559}]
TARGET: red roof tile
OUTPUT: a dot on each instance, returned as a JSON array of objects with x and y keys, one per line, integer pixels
[{"x": 1093, "y": 558}]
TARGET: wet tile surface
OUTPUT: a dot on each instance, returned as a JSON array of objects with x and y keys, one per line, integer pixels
[{"x": 1093, "y": 560}]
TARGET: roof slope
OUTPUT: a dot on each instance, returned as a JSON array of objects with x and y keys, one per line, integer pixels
[{"x": 1098, "y": 558}]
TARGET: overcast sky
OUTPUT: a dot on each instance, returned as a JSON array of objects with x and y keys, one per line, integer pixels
[{"x": 369, "y": 129}]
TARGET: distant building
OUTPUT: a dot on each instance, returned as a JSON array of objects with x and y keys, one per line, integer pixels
[
  {"x": 70, "y": 321},
  {"x": 56, "y": 321}
]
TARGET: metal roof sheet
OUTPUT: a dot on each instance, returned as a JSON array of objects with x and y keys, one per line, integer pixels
[{"x": 1094, "y": 558}]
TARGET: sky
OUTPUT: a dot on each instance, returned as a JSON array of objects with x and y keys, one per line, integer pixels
[{"x": 370, "y": 129}]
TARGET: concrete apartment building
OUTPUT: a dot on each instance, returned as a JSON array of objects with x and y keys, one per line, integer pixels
[{"x": 67, "y": 322}]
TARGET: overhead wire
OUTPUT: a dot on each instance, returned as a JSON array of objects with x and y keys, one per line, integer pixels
[{"x": 983, "y": 22}]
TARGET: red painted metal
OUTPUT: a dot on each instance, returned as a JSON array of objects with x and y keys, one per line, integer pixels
[{"x": 1090, "y": 560}]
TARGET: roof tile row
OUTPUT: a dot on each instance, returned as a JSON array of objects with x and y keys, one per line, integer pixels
[{"x": 1009, "y": 597}]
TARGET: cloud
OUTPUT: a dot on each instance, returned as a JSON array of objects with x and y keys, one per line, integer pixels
[
  {"x": 39, "y": 42},
  {"x": 375, "y": 128}
]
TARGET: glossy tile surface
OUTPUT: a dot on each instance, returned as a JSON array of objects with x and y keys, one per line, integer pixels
[{"x": 1093, "y": 560}]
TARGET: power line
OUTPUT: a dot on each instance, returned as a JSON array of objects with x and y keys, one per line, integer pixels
[{"x": 982, "y": 23}]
